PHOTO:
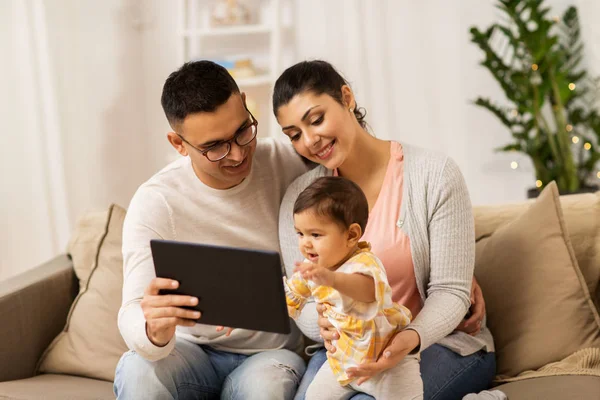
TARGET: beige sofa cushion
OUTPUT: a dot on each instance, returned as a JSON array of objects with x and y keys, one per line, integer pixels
[
  {"x": 581, "y": 214},
  {"x": 538, "y": 303},
  {"x": 90, "y": 344},
  {"x": 84, "y": 244}
]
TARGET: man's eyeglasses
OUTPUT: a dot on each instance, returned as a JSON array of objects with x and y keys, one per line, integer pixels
[{"x": 219, "y": 151}]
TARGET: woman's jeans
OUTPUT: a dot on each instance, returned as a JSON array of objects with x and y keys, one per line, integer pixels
[{"x": 446, "y": 375}]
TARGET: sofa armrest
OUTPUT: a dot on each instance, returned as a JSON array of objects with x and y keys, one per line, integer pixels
[{"x": 33, "y": 310}]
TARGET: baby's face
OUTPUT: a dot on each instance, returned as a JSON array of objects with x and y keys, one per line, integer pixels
[{"x": 321, "y": 240}]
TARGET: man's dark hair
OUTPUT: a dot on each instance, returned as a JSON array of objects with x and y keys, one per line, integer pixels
[
  {"x": 198, "y": 86},
  {"x": 337, "y": 198}
]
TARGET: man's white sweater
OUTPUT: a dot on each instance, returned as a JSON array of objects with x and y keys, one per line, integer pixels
[{"x": 175, "y": 205}]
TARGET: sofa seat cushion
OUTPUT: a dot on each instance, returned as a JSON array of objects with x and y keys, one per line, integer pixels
[
  {"x": 553, "y": 388},
  {"x": 56, "y": 387}
]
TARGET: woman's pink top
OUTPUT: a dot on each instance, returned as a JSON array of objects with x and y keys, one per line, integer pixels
[{"x": 388, "y": 241}]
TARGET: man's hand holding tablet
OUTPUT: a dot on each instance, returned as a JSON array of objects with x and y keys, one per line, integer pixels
[{"x": 164, "y": 312}]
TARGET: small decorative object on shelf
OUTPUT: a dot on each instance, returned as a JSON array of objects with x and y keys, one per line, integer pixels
[
  {"x": 229, "y": 12},
  {"x": 220, "y": 30},
  {"x": 239, "y": 68},
  {"x": 243, "y": 69}
]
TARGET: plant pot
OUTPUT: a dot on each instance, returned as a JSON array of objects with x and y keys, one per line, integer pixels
[{"x": 535, "y": 192}]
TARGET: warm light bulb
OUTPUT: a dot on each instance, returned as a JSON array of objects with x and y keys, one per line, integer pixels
[
  {"x": 598, "y": 174},
  {"x": 514, "y": 112},
  {"x": 538, "y": 183},
  {"x": 587, "y": 146},
  {"x": 514, "y": 165},
  {"x": 572, "y": 86},
  {"x": 534, "y": 67},
  {"x": 556, "y": 18},
  {"x": 575, "y": 139},
  {"x": 569, "y": 128}
]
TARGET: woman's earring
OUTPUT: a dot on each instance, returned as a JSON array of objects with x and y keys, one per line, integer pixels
[{"x": 351, "y": 109}]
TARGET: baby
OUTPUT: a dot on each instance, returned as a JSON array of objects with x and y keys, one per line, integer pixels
[{"x": 341, "y": 273}]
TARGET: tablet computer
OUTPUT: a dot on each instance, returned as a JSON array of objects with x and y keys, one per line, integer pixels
[{"x": 237, "y": 288}]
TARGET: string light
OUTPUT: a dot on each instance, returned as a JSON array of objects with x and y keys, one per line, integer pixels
[
  {"x": 575, "y": 139},
  {"x": 514, "y": 112},
  {"x": 569, "y": 128},
  {"x": 598, "y": 174},
  {"x": 514, "y": 165},
  {"x": 534, "y": 67},
  {"x": 587, "y": 146},
  {"x": 572, "y": 86},
  {"x": 538, "y": 183},
  {"x": 556, "y": 18}
]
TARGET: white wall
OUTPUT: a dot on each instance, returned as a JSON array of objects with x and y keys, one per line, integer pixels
[
  {"x": 27, "y": 226},
  {"x": 411, "y": 65},
  {"x": 414, "y": 69},
  {"x": 97, "y": 55},
  {"x": 99, "y": 72}
]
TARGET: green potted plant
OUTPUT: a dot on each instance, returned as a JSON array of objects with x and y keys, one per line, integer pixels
[{"x": 552, "y": 115}]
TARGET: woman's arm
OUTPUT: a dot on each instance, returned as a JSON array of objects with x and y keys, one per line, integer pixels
[
  {"x": 451, "y": 258},
  {"x": 472, "y": 325},
  {"x": 288, "y": 241}
]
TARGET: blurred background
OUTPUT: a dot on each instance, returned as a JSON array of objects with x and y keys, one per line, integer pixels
[{"x": 80, "y": 84}]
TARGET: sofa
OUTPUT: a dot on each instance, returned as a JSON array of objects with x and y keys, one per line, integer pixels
[{"x": 538, "y": 263}]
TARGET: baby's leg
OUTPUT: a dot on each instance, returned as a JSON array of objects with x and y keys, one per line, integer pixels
[
  {"x": 325, "y": 387},
  {"x": 401, "y": 382}
]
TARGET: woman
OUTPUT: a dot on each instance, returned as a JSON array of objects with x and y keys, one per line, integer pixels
[{"x": 420, "y": 226}]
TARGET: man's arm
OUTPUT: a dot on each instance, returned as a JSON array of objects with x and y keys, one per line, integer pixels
[{"x": 145, "y": 314}]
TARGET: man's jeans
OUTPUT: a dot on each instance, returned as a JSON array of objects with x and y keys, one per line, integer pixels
[
  {"x": 193, "y": 371},
  {"x": 446, "y": 375}
]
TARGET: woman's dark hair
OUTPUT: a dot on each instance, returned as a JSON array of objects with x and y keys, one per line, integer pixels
[
  {"x": 198, "y": 86},
  {"x": 316, "y": 76},
  {"x": 337, "y": 198}
]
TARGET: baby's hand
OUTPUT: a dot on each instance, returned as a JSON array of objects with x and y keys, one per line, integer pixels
[
  {"x": 229, "y": 330},
  {"x": 319, "y": 275},
  {"x": 293, "y": 312}
]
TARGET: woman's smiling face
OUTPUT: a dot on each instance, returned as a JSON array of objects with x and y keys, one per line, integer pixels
[{"x": 320, "y": 128}]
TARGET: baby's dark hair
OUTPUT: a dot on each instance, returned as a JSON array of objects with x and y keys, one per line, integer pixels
[{"x": 335, "y": 197}]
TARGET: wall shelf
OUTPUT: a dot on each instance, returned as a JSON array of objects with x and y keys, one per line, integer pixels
[
  {"x": 255, "y": 81},
  {"x": 199, "y": 40},
  {"x": 229, "y": 31}
]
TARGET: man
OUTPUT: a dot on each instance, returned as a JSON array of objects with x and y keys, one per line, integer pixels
[{"x": 226, "y": 190}]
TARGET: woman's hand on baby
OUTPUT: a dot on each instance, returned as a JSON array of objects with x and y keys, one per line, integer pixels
[
  {"x": 229, "y": 330},
  {"x": 472, "y": 325},
  {"x": 327, "y": 330},
  {"x": 403, "y": 343},
  {"x": 319, "y": 275}
]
